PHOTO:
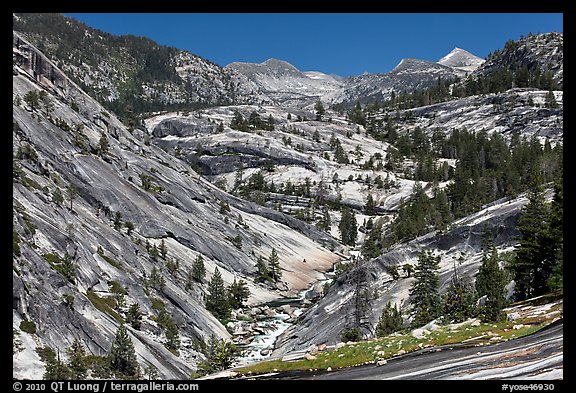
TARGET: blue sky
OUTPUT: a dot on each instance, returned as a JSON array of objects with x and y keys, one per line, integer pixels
[{"x": 340, "y": 43}]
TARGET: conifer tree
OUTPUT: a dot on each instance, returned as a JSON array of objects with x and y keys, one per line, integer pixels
[
  {"x": 198, "y": 269},
  {"x": 555, "y": 281},
  {"x": 459, "y": 300},
  {"x": 534, "y": 260},
  {"x": 122, "y": 355},
  {"x": 77, "y": 360},
  {"x": 238, "y": 293},
  {"x": 103, "y": 145},
  {"x": 217, "y": 297},
  {"x": 55, "y": 368},
  {"x": 319, "y": 108},
  {"x": 348, "y": 227},
  {"x": 491, "y": 282},
  {"x": 262, "y": 273},
  {"x": 172, "y": 335},
  {"x": 426, "y": 301},
  {"x": 390, "y": 321},
  {"x": 274, "y": 269},
  {"x": 163, "y": 249},
  {"x": 134, "y": 316},
  {"x": 71, "y": 192},
  {"x": 370, "y": 205},
  {"x": 156, "y": 279}
]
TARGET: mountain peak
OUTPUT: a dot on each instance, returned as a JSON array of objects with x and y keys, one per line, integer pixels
[{"x": 461, "y": 59}]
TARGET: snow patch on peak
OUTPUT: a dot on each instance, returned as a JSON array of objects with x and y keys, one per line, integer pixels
[{"x": 461, "y": 59}]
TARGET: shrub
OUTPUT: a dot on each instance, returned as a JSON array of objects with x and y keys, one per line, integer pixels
[{"x": 28, "y": 327}]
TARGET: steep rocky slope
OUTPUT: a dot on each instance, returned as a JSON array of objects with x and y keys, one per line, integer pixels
[
  {"x": 535, "y": 52},
  {"x": 58, "y": 144},
  {"x": 459, "y": 246},
  {"x": 121, "y": 70},
  {"x": 170, "y": 176}
]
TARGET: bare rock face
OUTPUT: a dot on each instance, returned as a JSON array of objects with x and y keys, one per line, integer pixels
[{"x": 125, "y": 180}]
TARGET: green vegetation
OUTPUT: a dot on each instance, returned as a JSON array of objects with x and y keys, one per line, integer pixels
[
  {"x": 217, "y": 299},
  {"x": 134, "y": 316},
  {"x": 537, "y": 267},
  {"x": 371, "y": 351},
  {"x": 426, "y": 301},
  {"x": 491, "y": 282},
  {"x": 198, "y": 269},
  {"x": 65, "y": 266},
  {"x": 156, "y": 279},
  {"x": 238, "y": 293},
  {"x": 105, "y": 305},
  {"x": 28, "y": 327},
  {"x": 15, "y": 243},
  {"x": 112, "y": 261},
  {"x": 273, "y": 268},
  {"x": 348, "y": 227},
  {"x": 122, "y": 355},
  {"x": 220, "y": 355},
  {"x": 390, "y": 321},
  {"x": 165, "y": 321}
]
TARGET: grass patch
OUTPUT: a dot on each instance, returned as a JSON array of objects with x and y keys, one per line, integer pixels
[
  {"x": 112, "y": 262},
  {"x": 157, "y": 304},
  {"x": 106, "y": 305},
  {"x": 30, "y": 184}
]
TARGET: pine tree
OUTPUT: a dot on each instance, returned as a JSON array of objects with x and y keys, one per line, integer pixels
[
  {"x": 238, "y": 293},
  {"x": 77, "y": 360},
  {"x": 390, "y": 321},
  {"x": 57, "y": 196},
  {"x": 156, "y": 279},
  {"x": 348, "y": 227},
  {"x": 534, "y": 261},
  {"x": 172, "y": 336},
  {"x": 426, "y": 301},
  {"x": 408, "y": 269},
  {"x": 274, "y": 269},
  {"x": 217, "y": 297},
  {"x": 122, "y": 355},
  {"x": 459, "y": 300},
  {"x": 220, "y": 355},
  {"x": 55, "y": 368},
  {"x": 370, "y": 205},
  {"x": 551, "y": 100},
  {"x": 32, "y": 99},
  {"x": 198, "y": 269},
  {"x": 491, "y": 282},
  {"x": 68, "y": 268},
  {"x": 556, "y": 230},
  {"x": 320, "y": 111},
  {"x": 134, "y": 316},
  {"x": 71, "y": 192},
  {"x": 129, "y": 227},
  {"x": 262, "y": 273},
  {"x": 163, "y": 249},
  {"x": 117, "y": 221}
]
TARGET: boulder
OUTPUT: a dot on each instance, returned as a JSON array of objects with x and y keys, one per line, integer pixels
[
  {"x": 313, "y": 349},
  {"x": 419, "y": 333}
]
